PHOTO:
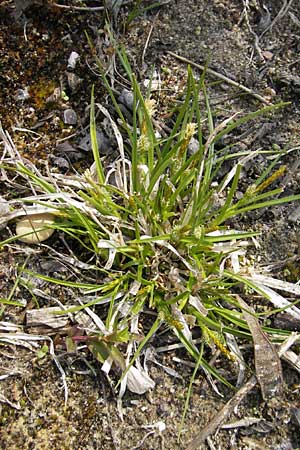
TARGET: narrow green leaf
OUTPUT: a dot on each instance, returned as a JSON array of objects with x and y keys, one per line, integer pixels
[{"x": 94, "y": 141}]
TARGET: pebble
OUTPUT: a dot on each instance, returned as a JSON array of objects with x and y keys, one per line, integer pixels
[
  {"x": 70, "y": 117},
  {"x": 267, "y": 55},
  {"x": 126, "y": 98},
  {"x": 104, "y": 143},
  {"x": 73, "y": 58},
  {"x": 60, "y": 162},
  {"x": 36, "y": 225},
  {"x": 67, "y": 150}
]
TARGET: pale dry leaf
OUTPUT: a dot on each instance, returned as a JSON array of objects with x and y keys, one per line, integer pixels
[{"x": 267, "y": 362}]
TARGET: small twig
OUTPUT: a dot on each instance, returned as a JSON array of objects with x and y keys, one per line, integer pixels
[
  {"x": 148, "y": 38},
  {"x": 16, "y": 406},
  {"x": 79, "y": 8},
  {"x": 221, "y": 77}
]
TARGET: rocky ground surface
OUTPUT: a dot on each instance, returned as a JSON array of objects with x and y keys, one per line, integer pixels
[{"x": 44, "y": 103}]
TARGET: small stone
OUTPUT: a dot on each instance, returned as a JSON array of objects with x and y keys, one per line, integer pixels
[
  {"x": 127, "y": 98},
  {"x": 60, "y": 162},
  {"x": 37, "y": 225},
  {"x": 67, "y": 150},
  {"x": 70, "y": 117},
  {"x": 267, "y": 55},
  {"x": 73, "y": 58},
  {"x": 104, "y": 143}
]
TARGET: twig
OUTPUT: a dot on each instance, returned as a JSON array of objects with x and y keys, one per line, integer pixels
[
  {"x": 16, "y": 406},
  {"x": 148, "y": 38},
  {"x": 79, "y": 8},
  {"x": 221, "y": 77}
]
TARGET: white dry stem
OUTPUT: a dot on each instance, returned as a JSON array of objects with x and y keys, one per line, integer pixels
[
  {"x": 232, "y": 172},
  {"x": 74, "y": 181},
  {"x": 118, "y": 168},
  {"x": 112, "y": 251},
  {"x": 234, "y": 248},
  {"x": 235, "y": 261},
  {"x": 126, "y": 378},
  {"x": 7, "y": 338},
  {"x": 209, "y": 142},
  {"x": 170, "y": 347},
  {"x": 155, "y": 189},
  {"x": 276, "y": 284},
  {"x": 116, "y": 240},
  {"x": 10, "y": 374},
  {"x": 120, "y": 145},
  {"x": 150, "y": 356},
  {"x": 144, "y": 175},
  {"x": 46, "y": 317},
  {"x": 287, "y": 344},
  {"x": 16, "y": 406},
  {"x": 9, "y": 146},
  {"x": 9, "y": 327},
  {"x": 246, "y": 422},
  {"x": 293, "y": 359},
  {"x": 27, "y": 211},
  {"x": 235, "y": 349},
  {"x": 288, "y": 355},
  {"x": 138, "y": 381},
  {"x": 134, "y": 287},
  {"x": 144, "y": 226},
  {"x": 64, "y": 201},
  {"x": 195, "y": 301},
  {"x": 263, "y": 282},
  {"x": 42, "y": 294},
  {"x": 107, "y": 365},
  {"x": 72, "y": 260},
  {"x": 96, "y": 319}
]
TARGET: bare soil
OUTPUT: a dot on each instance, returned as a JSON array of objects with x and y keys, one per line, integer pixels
[{"x": 34, "y": 52}]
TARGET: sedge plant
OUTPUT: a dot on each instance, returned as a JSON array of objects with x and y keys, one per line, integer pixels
[{"x": 157, "y": 227}]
